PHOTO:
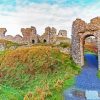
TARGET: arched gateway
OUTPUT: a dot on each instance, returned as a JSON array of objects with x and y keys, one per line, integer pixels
[{"x": 81, "y": 30}]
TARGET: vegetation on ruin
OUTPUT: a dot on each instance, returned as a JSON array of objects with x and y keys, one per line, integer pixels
[
  {"x": 90, "y": 48},
  {"x": 35, "y": 73},
  {"x": 8, "y": 44},
  {"x": 64, "y": 45},
  {"x": 98, "y": 74}
]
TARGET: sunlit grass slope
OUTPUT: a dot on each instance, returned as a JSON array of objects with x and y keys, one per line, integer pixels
[{"x": 35, "y": 73}]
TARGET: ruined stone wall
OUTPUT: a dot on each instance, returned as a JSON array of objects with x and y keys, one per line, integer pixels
[
  {"x": 77, "y": 27},
  {"x": 29, "y": 35},
  {"x": 2, "y": 32},
  {"x": 75, "y": 50},
  {"x": 62, "y": 33},
  {"x": 49, "y": 35},
  {"x": 50, "y": 30},
  {"x": 47, "y": 30},
  {"x": 18, "y": 39},
  {"x": 53, "y": 31},
  {"x": 81, "y": 30},
  {"x": 9, "y": 37}
]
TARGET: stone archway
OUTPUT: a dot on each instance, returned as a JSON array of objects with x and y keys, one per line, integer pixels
[
  {"x": 80, "y": 30},
  {"x": 82, "y": 42}
]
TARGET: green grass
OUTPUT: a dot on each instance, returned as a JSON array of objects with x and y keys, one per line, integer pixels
[
  {"x": 98, "y": 74},
  {"x": 64, "y": 45},
  {"x": 17, "y": 90},
  {"x": 89, "y": 52},
  {"x": 10, "y": 93},
  {"x": 54, "y": 72}
]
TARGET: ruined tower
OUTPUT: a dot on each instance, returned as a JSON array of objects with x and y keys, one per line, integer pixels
[
  {"x": 2, "y": 32},
  {"x": 29, "y": 35},
  {"x": 49, "y": 35}
]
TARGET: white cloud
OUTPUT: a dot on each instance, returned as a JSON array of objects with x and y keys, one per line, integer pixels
[{"x": 42, "y": 15}]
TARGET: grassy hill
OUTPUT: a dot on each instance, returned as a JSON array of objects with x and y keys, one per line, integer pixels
[{"x": 35, "y": 73}]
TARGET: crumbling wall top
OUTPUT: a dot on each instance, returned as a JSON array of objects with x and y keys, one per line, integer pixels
[
  {"x": 96, "y": 20},
  {"x": 62, "y": 33},
  {"x": 47, "y": 30},
  {"x": 28, "y": 31},
  {"x": 80, "y": 26},
  {"x": 50, "y": 30},
  {"x": 3, "y": 30}
]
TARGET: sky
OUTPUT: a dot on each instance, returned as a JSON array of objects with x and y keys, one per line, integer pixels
[{"x": 17, "y": 14}]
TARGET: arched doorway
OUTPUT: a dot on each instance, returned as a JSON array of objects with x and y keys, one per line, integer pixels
[
  {"x": 90, "y": 49},
  {"x": 81, "y": 30},
  {"x": 44, "y": 40},
  {"x": 33, "y": 41},
  {"x": 87, "y": 37}
]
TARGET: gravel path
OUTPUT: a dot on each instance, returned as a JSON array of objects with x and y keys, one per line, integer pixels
[{"x": 88, "y": 78}]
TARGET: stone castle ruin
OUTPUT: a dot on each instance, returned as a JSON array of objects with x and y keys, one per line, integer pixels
[
  {"x": 49, "y": 35},
  {"x": 80, "y": 31},
  {"x": 62, "y": 33},
  {"x": 30, "y": 36}
]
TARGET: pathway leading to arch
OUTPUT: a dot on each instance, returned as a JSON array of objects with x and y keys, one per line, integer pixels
[
  {"x": 87, "y": 82},
  {"x": 88, "y": 78}
]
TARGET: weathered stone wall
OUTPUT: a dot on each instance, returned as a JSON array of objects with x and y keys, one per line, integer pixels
[
  {"x": 62, "y": 33},
  {"x": 30, "y": 36},
  {"x": 53, "y": 31},
  {"x": 81, "y": 30},
  {"x": 75, "y": 50},
  {"x": 45, "y": 39},
  {"x": 2, "y": 32},
  {"x": 47, "y": 30},
  {"x": 18, "y": 39},
  {"x": 49, "y": 35},
  {"x": 9, "y": 37}
]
